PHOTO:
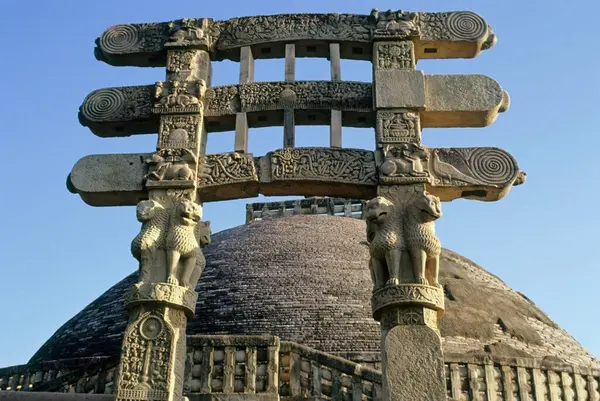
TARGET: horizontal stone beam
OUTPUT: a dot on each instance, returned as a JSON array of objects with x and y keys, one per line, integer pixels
[
  {"x": 450, "y": 101},
  {"x": 460, "y": 34},
  {"x": 485, "y": 174}
]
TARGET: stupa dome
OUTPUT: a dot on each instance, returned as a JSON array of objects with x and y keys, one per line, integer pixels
[{"x": 305, "y": 279}]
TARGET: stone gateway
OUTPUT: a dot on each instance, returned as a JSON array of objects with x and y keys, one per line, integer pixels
[{"x": 273, "y": 309}]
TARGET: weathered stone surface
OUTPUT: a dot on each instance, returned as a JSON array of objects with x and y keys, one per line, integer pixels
[
  {"x": 42, "y": 396},
  {"x": 413, "y": 364},
  {"x": 471, "y": 102},
  {"x": 460, "y": 34},
  {"x": 399, "y": 89},
  {"x": 127, "y": 111}
]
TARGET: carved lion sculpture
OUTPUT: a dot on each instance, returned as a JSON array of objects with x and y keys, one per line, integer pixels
[
  {"x": 169, "y": 170},
  {"x": 422, "y": 244},
  {"x": 203, "y": 233},
  {"x": 386, "y": 242},
  {"x": 182, "y": 246},
  {"x": 155, "y": 222}
]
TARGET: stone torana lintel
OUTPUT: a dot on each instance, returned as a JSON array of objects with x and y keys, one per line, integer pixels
[
  {"x": 459, "y": 34},
  {"x": 124, "y": 111},
  {"x": 450, "y": 173}
]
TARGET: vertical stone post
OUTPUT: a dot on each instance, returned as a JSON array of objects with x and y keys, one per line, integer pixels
[
  {"x": 289, "y": 122},
  {"x": 168, "y": 246},
  {"x": 407, "y": 298}
]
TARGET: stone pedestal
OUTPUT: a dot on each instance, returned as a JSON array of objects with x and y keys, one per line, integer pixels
[{"x": 411, "y": 346}]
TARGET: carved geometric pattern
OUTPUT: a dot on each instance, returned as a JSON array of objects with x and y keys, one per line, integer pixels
[
  {"x": 405, "y": 295},
  {"x": 324, "y": 164},
  {"x": 408, "y": 316},
  {"x": 118, "y": 104}
]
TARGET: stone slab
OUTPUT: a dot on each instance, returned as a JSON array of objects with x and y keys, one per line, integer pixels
[
  {"x": 450, "y": 101},
  {"x": 485, "y": 174},
  {"x": 399, "y": 88},
  {"x": 413, "y": 365},
  {"x": 460, "y": 34}
]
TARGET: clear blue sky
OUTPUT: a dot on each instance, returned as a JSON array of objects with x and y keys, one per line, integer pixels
[{"x": 59, "y": 254}]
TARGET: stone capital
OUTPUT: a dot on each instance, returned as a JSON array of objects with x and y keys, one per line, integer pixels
[
  {"x": 406, "y": 295},
  {"x": 163, "y": 293}
]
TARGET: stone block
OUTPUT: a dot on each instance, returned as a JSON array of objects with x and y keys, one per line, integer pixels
[
  {"x": 399, "y": 88},
  {"x": 413, "y": 365}
]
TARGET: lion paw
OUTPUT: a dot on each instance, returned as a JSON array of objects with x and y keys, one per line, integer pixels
[
  {"x": 393, "y": 281},
  {"x": 422, "y": 280},
  {"x": 172, "y": 280}
]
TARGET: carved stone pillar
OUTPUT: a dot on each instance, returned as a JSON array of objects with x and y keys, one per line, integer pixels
[
  {"x": 169, "y": 244},
  {"x": 407, "y": 298}
]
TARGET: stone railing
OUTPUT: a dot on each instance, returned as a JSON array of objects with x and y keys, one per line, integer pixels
[
  {"x": 81, "y": 375},
  {"x": 263, "y": 367},
  {"x": 308, "y": 373}
]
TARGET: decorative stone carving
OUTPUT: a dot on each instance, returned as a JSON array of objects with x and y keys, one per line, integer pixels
[
  {"x": 323, "y": 164},
  {"x": 170, "y": 165},
  {"x": 227, "y": 168},
  {"x": 348, "y": 96},
  {"x": 180, "y": 60},
  {"x": 132, "y": 38},
  {"x": 408, "y": 316},
  {"x": 448, "y": 167},
  {"x": 397, "y": 126},
  {"x": 222, "y": 100},
  {"x": 155, "y": 223},
  {"x": 173, "y": 295},
  {"x": 117, "y": 104},
  {"x": 395, "y": 55},
  {"x": 179, "y": 131},
  {"x": 179, "y": 97},
  {"x": 405, "y": 163},
  {"x": 402, "y": 221},
  {"x": 456, "y": 26},
  {"x": 189, "y": 32},
  {"x": 394, "y": 24},
  {"x": 407, "y": 295},
  {"x": 145, "y": 369},
  {"x": 246, "y": 31},
  {"x": 181, "y": 243}
]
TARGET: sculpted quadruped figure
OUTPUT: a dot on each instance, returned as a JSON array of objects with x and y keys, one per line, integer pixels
[
  {"x": 181, "y": 244},
  {"x": 155, "y": 222},
  {"x": 405, "y": 160},
  {"x": 421, "y": 242},
  {"x": 386, "y": 242}
]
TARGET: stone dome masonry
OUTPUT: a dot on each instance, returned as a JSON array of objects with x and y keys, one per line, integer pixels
[{"x": 304, "y": 279}]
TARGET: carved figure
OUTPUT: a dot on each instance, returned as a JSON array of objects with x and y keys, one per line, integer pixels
[
  {"x": 405, "y": 160},
  {"x": 155, "y": 221},
  {"x": 187, "y": 33},
  {"x": 203, "y": 233},
  {"x": 386, "y": 241},
  {"x": 181, "y": 244},
  {"x": 169, "y": 165},
  {"x": 447, "y": 172},
  {"x": 397, "y": 23},
  {"x": 421, "y": 242}
]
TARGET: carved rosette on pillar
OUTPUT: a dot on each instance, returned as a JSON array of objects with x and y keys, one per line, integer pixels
[
  {"x": 407, "y": 297},
  {"x": 169, "y": 245}
]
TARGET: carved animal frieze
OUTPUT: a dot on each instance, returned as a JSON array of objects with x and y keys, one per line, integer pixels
[
  {"x": 323, "y": 164},
  {"x": 171, "y": 165},
  {"x": 406, "y": 295},
  {"x": 182, "y": 246},
  {"x": 407, "y": 161},
  {"x": 121, "y": 43},
  {"x": 179, "y": 96},
  {"x": 174, "y": 295}
]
